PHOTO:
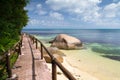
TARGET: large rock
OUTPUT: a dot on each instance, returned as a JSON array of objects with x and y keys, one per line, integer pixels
[
  {"x": 64, "y": 41},
  {"x": 58, "y": 57},
  {"x": 55, "y": 52}
]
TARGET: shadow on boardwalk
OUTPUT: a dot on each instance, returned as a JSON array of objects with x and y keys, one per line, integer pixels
[{"x": 29, "y": 65}]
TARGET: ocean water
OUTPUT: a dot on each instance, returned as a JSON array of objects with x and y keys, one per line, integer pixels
[
  {"x": 99, "y": 58},
  {"x": 106, "y": 42},
  {"x": 105, "y": 36}
]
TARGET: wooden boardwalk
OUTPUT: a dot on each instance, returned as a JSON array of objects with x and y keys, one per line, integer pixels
[{"x": 29, "y": 65}]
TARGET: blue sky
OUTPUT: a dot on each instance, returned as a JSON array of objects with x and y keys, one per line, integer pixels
[{"x": 80, "y": 14}]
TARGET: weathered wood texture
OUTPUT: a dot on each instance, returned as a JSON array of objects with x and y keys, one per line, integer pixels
[
  {"x": 29, "y": 65},
  {"x": 55, "y": 62}
]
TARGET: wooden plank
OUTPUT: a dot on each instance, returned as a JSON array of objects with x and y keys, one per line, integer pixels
[
  {"x": 29, "y": 65},
  {"x": 41, "y": 68}
]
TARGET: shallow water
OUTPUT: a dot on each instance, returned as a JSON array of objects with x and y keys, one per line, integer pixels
[
  {"x": 99, "y": 56},
  {"x": 92, "y": 63},
  {"x": 95, "y": 65}
]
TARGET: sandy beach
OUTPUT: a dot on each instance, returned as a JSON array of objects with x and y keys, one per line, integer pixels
[
  {"x": 77, "y": 73},
  {"x": 91, "y": 66},
  {"x": 85, "y": 64}
]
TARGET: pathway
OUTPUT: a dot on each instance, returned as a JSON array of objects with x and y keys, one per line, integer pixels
[{"x": 29, "y": 65}]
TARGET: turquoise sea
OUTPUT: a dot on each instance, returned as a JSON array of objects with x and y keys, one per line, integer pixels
[{"x": 105, "y": 42}]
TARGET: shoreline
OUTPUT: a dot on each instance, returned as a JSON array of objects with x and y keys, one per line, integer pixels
[
  {"x": 98, "y": 67},
  {"x": 78, "y": 74},
  {"x": 89, "y": 65}
]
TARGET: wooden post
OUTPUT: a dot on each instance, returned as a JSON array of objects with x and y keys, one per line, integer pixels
[
  {"x": 9, "y": 71},
  {"x": 19, "y": 46},
  {"x": 33, "y": 39},
  {"x": 36, "y": 44},
  {"x": 54, "y": 71},
  {"x": 21, "y": 39},
  {"x": 30, "y": 37},
  {"x": 41, "y": 51}
]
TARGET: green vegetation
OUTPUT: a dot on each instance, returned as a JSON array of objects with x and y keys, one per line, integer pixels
[
  {"x": 13, "y": 58},
  {"x": 3, "y": 73},
  {"x": 13, "y": 17},
  {"x": 108, "y": 51}
]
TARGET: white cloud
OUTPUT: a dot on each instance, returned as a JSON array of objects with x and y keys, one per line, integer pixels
[
  {"x": 39, "y": 6},
  {"x": 89, "y": 11},
  {"x": 36, "y": 8},
  {"x": 33, "y": 21},
  {"x": 56, "y": 15},
  {"x": 112, "y": 10},
  {"x": 83, "y": 9},
  {"x": 71, "y": 4},
  {"x": 39, "y": 10},
  {"x": 110, "y": 15},
  {"x": 52, "y": 23}
]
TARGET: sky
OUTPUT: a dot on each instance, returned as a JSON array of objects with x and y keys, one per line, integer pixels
[{"x": 74, "y": 14}]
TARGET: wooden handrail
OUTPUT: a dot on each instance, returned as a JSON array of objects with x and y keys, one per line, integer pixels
[
  {"x": 7, "y": 56},
  {"x": 54, "y": 61},
  {"x": 8, "y": 68},
  {"x": 13, "y": 49},
  {"x": 64, "y": 70}
]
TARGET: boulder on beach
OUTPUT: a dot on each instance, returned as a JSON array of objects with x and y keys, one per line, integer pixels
[
  {"x": 55, "y": 52},
  {"x": 58, "y": 57},
  {"x": 64, "y": 41}
]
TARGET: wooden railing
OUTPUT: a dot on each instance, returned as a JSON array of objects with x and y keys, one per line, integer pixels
[
  {"x": 5, "y": 58},
  {"x": 54, "y": 61}
]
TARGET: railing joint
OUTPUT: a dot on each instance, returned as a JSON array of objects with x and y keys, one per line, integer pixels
[{"x": 54, "y": 61}]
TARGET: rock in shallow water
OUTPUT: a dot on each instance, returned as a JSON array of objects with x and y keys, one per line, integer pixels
[{"x": 64, "y": 41}]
